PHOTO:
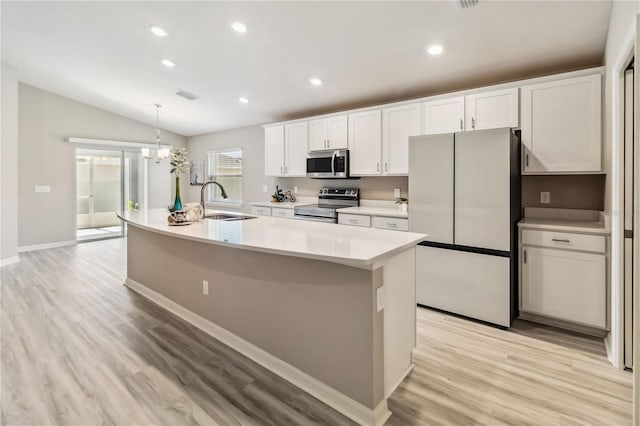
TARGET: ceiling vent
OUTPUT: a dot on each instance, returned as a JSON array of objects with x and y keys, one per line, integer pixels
[
  {"x": 187, "y": 95},
  {"x": 467, "y": 4}
]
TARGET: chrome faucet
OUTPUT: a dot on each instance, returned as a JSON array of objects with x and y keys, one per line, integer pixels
[{"x": 224, "y": 193}]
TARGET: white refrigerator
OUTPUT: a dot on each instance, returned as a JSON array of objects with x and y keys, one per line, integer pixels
[{"x": 464, "y": 192}]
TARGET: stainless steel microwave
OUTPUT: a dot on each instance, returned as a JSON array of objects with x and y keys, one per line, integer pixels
[{"x": 328, "y": 164}]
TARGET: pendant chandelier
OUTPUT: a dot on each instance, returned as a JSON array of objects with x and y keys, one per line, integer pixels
[{"x": 158, "y": 153}]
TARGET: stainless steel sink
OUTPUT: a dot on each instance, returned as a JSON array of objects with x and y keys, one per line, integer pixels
[{"x": 228, "y": 217}]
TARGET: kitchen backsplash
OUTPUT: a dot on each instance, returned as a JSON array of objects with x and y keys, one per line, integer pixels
[
  {"x": 371, "y": 188},
  {"x": 567, "y": 191}
]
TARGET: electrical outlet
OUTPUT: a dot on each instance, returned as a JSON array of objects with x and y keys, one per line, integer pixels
[
  {"x": 205, "y": 287},
  {"x": 265, "y": 188},
  {"x": 295, "y": 189},
  {"x": 380, "y": 298},
  {"x": 545, "y": 197},
  {"x": 396, "y": 192}
]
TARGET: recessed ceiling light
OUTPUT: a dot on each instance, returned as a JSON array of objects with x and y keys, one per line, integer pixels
[
  {"x": 168, "y": 63},
  {"x": 435, "y": 49},
  {"x": 239, "y": 27},
  {"x": 243, "y": 100},
  {"x": 315, "y": 81},
  {"x": 160, "y": 32}
]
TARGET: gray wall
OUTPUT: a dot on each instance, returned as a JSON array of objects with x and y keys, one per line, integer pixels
[
  {"x": 567, "y": 192},
  {"x": 44, "y": 158},
  {"x": 9, "y": 165}
]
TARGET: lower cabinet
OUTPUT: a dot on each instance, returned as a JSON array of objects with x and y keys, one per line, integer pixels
[
  {"x": 564, "y": 284},
  {"x": 261, "y": 211},
  {"x": 279, "y": 212},
  {"x": 354, "y": 219},
  {"x": 381, "y": 222}
]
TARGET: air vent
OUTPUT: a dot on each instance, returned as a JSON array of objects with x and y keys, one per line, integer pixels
[
  {"x": 467, "y": 4},
  {"x": 187, "y": 95}
]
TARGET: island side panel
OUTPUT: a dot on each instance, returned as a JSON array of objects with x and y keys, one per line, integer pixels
[{"x": 318, "y": 316}]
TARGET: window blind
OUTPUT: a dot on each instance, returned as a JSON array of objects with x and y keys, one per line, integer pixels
[{"x": 225, "y": 167}]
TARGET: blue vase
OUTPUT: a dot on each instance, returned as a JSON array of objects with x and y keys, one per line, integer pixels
[{"x": 177, "y": 204}]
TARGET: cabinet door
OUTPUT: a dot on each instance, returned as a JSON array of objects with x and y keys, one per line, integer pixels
[
  {"x": 444, "y": 116},
  {"x": 365, "y": 143},
  {"x": 274, "y": 151},
  {"x": 296, "y": 137},
  {"x": 492, "y": 110},
  {"x": 561, "y": 126},
  {"x": 337, "y": 132},
  {"x": 318, "y": 134},
  {"x": 564, "y": 284},
  {"x": 397, "y": 125}
]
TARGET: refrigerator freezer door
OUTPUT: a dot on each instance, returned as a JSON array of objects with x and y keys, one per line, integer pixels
[
  {"x": 431, "y": 186},
  {"x": 482, "y": 189},
  {"x": 469, "y": 284}
]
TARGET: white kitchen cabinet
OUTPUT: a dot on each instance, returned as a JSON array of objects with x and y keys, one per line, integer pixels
[
  {"x": 394, "y": 223},
  {"x": 280, "y": 212},
  {"x": 261, "y": 211},
  {"x": 398, "y": 123},
  {"x": 296, "y": 137},
  {"x": 483, "y": 110},
  {"x": 561, "y": 126},
  {"x": 492, "y": 110},
  {"x": 354, "y": 219},
  {"x": 328, "y": 133},
  {"x": 564, "y": 284},
  {"x": 285, "y": 150},
  {"x": 274, "y": 151},
  {"x": 444, "y": 116},
  {"x": 365, "y": 143}
]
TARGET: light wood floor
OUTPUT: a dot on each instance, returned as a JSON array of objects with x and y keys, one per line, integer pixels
[{"x": 78, "y": 348}]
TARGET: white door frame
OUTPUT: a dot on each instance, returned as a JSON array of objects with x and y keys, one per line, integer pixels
[{"x": 636, "y": 237}]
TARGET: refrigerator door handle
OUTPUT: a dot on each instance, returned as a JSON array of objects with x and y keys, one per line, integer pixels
[
  {"x": 461, "y": 124},
  {"x": 524, "y": 255}
]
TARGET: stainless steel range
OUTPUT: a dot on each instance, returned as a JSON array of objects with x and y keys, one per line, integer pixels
[{"x": 329, "y": 200}]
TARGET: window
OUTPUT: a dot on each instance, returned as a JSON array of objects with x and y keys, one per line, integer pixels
[{"x": 225, "y": 167}]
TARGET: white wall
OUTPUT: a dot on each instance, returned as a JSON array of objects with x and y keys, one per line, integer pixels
[
  {"x": 621, "y": 33},
  {"x": 9, "y": 166},
  {"x": 45, "y": 158}
]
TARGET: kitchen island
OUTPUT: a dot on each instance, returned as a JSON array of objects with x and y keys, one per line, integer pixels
[{"x": 330, "y": 308}]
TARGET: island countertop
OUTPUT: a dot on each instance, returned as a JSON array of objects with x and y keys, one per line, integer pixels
[{"x": 366, "y": 248}]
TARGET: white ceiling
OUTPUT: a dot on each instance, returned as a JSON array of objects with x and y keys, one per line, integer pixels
[{"x": 103, "y": 54}]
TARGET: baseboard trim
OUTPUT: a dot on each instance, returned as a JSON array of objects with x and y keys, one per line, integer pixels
[
  {"x": 22, "y": 249},
  {"x": 333, "y": 398},
  {"x": 566, "y": 325},
  {"x": 9, "y": 261},
  {"x": 400, "y": 379}
]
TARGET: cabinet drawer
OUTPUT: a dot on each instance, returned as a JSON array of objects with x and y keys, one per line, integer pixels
[
  {"x": 390, "y": 223},
  {"x": 263, "y": 211},
  {"x": 594, "y": 243},
  {"x": 282, "y": 212},
  {"x": 354, "y": 219}
]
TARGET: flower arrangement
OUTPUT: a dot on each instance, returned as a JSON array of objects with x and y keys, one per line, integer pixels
[{"x": 179, "y": 164}]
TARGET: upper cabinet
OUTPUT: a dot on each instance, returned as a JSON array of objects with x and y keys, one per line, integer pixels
[
  {"x": 365, "y": 143},
  {"x": 328, "y": 133},
  {"x": 485, "y": 110},
  {"x": 444, "y": 116},
  {"x": 492, "y": 110},
  {"x": 285, "y": 150},
  {"x": 561, "y": 126},
  {"x": 398, "y": 124}
]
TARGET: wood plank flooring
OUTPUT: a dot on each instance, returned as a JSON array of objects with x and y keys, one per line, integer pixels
[{"x": 78, "y": 348}]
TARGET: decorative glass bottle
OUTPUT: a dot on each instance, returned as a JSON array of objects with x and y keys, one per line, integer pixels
[{"x": 177, "y": 204}]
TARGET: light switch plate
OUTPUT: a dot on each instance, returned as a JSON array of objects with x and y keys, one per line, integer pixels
[
  {"x": 265, "y": 188},
  {"x": 205, "y": 287},
  {"x": 380, "y": 298},
  {"x": 396, "y": 192},
  {"x": 545, "y": 197},
  {"x": 41, "y": 189},
  {"x": 295, "y": 189}
]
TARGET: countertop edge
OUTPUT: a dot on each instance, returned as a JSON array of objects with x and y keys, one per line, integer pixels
[{"x": 565, "y": 228}]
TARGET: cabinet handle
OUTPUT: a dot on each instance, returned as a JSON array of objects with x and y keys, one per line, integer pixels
[
  {"x": 328, "y": 143},
  {"x": 558, "y": 240},
  {"x": 286, "y": 169},
  {"x": 473, "y": 123},
  {"x": 461, "y": 124},
  {"x": 392, "y": 225},
  {"x": 526, "y": 160},
  {"x": 524, "y": 255},
  {"x": 281, "y": 170},
  {"x": 386, "y": 167},
  {"x": 353, "y": 221},
  {"x": 377, "y": 167}
]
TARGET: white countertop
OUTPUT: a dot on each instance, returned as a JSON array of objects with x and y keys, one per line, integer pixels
[
  {"x": 374, "y": 211},
  {"x": 366, "y": 248},
  {"x": 565, "y": 220}
]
